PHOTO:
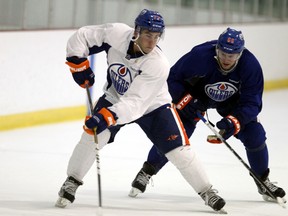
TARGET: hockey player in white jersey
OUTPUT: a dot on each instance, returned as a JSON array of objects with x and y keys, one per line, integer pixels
[{"x": 135, "y": 91}]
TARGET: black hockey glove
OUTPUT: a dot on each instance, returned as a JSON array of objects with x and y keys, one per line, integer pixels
[
  {"x": 81, "y": 71},
  {"x": 230, "y": 125},
  {"x": 189, "y": 106},
  {"x": 101, "y": 120}
]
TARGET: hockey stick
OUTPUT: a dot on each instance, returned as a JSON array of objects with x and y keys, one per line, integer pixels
[
  {"x": 279, "y": 200},
  {"x": 97, "y": 148}
]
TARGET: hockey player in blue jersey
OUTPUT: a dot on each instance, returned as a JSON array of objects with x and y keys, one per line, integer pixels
[{"x": 222, "y": 75}]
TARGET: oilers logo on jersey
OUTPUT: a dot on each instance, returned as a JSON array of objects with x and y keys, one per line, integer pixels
[
  {"x": 220, "y": 91},
  {"x": 121, "y": 77}
]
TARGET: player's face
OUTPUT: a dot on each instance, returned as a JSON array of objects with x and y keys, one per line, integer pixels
[
  {"x": 227, "y": 60},
  {"x": 148, "y": 40}
]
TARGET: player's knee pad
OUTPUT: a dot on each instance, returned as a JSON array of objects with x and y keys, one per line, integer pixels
[
  {"x": 103, "y": 138},
  {"x": 253, "y": 135},
  {"x": 82, "y": 158},
  {"x": 184, "y": 158},
  {"x": 84, "y": 154}
]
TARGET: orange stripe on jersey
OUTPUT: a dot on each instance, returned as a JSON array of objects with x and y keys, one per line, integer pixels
[{"x": 186, "y": 139}]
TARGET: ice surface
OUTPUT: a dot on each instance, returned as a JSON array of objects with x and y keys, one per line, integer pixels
[{"x": 33, "y": 165}]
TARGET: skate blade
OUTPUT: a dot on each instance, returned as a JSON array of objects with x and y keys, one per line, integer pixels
[
  {"x": 62, "y": 202},
  {"x": 279, "y": 200},
  {"x": 222, "y": 211},
  {"x": 134, "y": 192}
]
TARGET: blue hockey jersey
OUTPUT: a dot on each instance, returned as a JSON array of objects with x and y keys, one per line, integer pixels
[{"x": 238, "y": 93}]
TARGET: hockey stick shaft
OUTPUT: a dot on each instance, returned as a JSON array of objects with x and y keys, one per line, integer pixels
[
  {"x": 252, "y": 173},
  {"x": 91, "y": 111},
  {"x": 97, "y": 148}
]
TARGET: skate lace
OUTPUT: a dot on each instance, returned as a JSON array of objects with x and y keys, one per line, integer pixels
[
  {"x": 270, "y": 185},
  {"x": 144, "y": 178},
  {"x": 210, "y": 197},
  {"x": 70, "y": 187}
]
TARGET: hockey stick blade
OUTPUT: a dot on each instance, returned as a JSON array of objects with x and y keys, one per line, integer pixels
[{"x": 213, "y": 139}]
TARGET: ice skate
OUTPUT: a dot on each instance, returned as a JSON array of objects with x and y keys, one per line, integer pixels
[
  {"x": 213, "y": 200},
  {"x": 142, "y": 179},
  {"x": 277, "y": 192},
  {"x": 67, "y": 192}
]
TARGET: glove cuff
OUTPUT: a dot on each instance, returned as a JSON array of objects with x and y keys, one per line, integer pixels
[
  {"x": 184, "y": 101},
  {"x": 86, "y": 129},
  {"x": 236, "y": 123},
  {"x": 74, "y": 68},
  {"x": 109, "y": 116}
]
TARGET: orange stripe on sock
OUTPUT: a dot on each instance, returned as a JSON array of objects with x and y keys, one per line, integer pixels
[{"x": 187, "y": 142}]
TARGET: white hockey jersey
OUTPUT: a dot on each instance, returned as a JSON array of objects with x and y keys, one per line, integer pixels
[{"x": 135, "y": 86}]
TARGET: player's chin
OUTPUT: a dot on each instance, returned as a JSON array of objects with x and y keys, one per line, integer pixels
[
  {"x": 226, "y": 66},
  {"x": 148, "y": 50}
]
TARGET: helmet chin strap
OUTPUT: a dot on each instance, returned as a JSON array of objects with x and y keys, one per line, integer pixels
[{"x": 134, "y": 39}]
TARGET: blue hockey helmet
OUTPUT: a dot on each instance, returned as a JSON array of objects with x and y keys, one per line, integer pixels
[
  {"x": 150, "y": 20},
  {"x": 231, "y": 41}
]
